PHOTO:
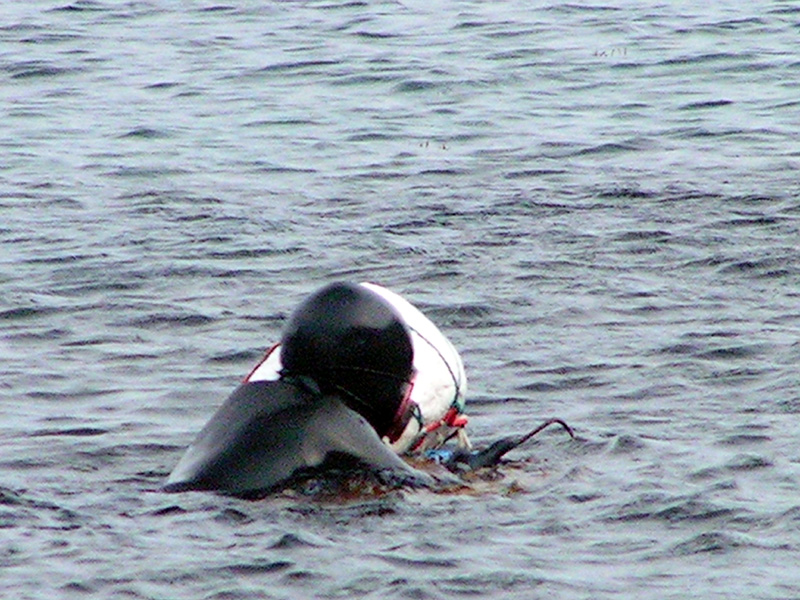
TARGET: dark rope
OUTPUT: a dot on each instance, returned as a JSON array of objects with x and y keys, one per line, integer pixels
[{"x": 492, "y": 454}]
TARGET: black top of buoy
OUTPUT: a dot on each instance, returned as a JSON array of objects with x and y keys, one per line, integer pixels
[{"x": 352, "y": 343}]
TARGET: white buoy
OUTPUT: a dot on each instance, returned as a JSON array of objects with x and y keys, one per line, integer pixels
[{"x": 440, "y": 383}]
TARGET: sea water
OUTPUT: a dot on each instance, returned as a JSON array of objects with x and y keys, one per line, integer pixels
[{"x": 597, "y": 202}]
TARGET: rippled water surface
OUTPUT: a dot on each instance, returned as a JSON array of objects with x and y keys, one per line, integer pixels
[{"x": 597, "y": 202}]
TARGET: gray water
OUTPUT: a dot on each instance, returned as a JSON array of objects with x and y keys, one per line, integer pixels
[{"x": 597, "y": 202}]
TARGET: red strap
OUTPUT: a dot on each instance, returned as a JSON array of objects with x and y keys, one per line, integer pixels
[{"x": 452, "y": 418}]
